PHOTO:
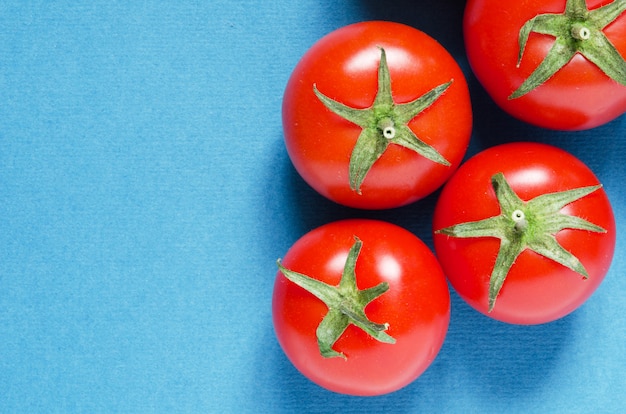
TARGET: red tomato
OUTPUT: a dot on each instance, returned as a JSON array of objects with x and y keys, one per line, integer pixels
[
  {"x": 344, "y": 66},
  {"x": 536, "y": 289},
  {"x": 415, "y": 309},
  {"x": 578, "y": 96}
]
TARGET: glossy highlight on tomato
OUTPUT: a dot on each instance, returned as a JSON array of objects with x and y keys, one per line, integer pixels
[
  {"x": 536, "y": 289},
  {"x": 414, "y": 310},
  {"x": 348, "y": 68}
]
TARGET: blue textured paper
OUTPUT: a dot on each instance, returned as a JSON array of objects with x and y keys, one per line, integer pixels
[{"x": 145, "y": 194}]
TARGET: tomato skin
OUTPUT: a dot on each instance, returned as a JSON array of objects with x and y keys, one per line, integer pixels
[
  {"x": 579, "y": 96},
  {"x": 416, "y": 306},
  {"x": 343, "y": 65},
  {"x": 537, "y": 290}
]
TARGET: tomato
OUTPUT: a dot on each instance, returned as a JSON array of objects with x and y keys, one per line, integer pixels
[
  {"x": 567, "y": 34},
  {"x": 376, "y": 115},
  {"x": 407, "y": 316},
  {"x": 545, "y": 235}
]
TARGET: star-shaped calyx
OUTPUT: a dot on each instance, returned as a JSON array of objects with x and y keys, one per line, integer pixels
[
  {"x": 577, "y": 30},
  {"x": 384, "y": 123},
  {"x": 525, "y": 225},
  {"x": 346, "y": 304}
]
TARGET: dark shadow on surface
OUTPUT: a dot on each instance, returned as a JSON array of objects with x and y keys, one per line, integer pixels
[
  {"x": 596, "y": 147},
  {"x": 293, "y": 208},
  {"x": 313, "y": 210},
  {"x": 441, "y": 19}
]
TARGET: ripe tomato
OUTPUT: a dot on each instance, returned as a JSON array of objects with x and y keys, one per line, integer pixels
[
  {"x": 347, "y": 129},
  {"x": 579, "y": 95},
  {"x": 409, "y": 311},
  {"x": 566, "y": 215}
]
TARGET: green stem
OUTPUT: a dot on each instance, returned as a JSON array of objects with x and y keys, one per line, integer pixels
[
  {"x": 346, "y": 304},
  {"x": 577, "y": 30},
  {"x": 385, "y": 122}
]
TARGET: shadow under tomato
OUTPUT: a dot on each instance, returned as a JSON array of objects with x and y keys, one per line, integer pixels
[
  {"x": 298, "y": 208},
  {"x": 493, "y": 126},
  {"x": 441, "y": 19}
]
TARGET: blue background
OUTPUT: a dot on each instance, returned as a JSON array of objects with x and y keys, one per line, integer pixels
[{"x": 145, "y": 194}]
